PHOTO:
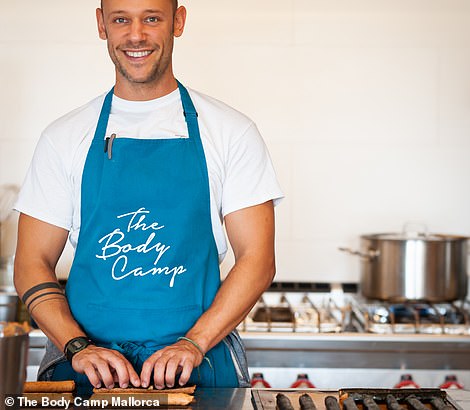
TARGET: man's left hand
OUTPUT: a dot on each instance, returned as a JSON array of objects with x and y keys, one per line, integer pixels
[{"x": 181, "y": 357}]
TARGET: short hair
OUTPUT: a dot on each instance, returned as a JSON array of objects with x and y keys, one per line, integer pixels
[{"x": 175, "y": 5}]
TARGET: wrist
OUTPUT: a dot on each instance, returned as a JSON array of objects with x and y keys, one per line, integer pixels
[
  {"x": 200, "y": 339},
  {"x": 196, "y": 346},
  {"x": 76, "y": 345},
  {"x": 193, "y": 343}
]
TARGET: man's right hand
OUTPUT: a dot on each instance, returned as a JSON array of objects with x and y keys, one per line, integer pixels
[{"x": 105, "y": 367}]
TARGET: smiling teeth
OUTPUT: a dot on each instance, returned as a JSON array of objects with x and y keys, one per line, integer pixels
[{"x": 137, "y": 54}]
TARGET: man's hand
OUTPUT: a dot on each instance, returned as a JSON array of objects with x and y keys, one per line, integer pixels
[
  {"x": 105, "y": 366},
  {"x": 181, "y": 357}
]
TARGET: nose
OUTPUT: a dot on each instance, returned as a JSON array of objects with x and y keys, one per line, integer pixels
[{"x": 137, "y": 32}]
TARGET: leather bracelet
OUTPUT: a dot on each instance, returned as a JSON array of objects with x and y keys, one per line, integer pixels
[
  {"x": 204, "y": 357},
  {"x": 193, "y": 343}
]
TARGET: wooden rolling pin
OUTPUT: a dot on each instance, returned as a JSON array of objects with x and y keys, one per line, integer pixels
[
  {"x": 174, "y": 399},
  {"x": 66, "y": 386},
  {"x": 151, "y": 390}
]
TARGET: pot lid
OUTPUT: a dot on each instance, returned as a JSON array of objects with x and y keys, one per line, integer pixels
[{"x": 405, "y": 236}]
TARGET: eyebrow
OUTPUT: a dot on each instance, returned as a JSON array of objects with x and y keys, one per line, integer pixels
[{"x": 145, "y": 11}]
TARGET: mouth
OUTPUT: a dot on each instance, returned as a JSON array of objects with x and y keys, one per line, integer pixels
[{"x": 137, "y": 54}]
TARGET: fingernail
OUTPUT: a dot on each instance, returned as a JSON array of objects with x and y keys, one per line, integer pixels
[
  {"x": 111, "y": 386},
  {"x": 159, "y": 387},
  {"x": 144, "y": 385},
  {"x": 98, "y": 386},
  {"x": 169, "y": 385},
  {"x": 124, "y": 386}
]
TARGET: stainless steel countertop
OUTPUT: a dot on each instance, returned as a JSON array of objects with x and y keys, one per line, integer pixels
[{"x": 240, "y": 399}]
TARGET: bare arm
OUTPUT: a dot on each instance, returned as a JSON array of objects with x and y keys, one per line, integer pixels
[
  {"x": 39, "y": 248},
  {"x": 251, "y": 234}
]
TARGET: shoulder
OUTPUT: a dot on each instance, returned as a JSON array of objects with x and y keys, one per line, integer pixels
[
  {"x": 219, "y": 114},
  {"x": 71, "y": 128}
]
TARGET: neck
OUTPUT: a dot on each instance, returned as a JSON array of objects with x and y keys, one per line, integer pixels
[{"x": 144, "y": 91}]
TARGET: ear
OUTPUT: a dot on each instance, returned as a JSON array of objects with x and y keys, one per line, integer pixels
[
  {"x": 179, "y": 21},
  {"x": 101, "y": 26}
]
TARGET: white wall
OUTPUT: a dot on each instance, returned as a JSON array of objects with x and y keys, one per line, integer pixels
[{"x": 364, "y": 104}]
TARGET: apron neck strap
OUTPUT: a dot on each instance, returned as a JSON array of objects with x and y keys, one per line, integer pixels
[
  {"x": 190, "y": 114},
  {"x": 104, "y": 116}
]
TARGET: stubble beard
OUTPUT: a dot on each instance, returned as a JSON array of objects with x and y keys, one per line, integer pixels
[{"x": 157, "y": 70}]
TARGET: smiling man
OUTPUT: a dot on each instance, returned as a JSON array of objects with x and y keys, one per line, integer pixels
[
  {"x": 140, "y": 44},
  {"x": 141, "y": 180}
]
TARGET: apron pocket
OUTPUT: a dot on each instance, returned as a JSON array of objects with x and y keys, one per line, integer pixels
[{"x": 108, "y": 324}]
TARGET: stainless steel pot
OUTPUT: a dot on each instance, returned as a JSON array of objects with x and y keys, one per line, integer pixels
[
  {"x": 8, "y": 306},
  {"x": 14, "y": 343},
  {"x": 417, "y": 266}
]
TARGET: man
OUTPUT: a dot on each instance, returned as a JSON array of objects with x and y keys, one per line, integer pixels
[{"x": 140, "y": 181}]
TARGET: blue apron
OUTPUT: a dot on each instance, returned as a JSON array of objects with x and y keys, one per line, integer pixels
[{"x": 146, "y": 264}]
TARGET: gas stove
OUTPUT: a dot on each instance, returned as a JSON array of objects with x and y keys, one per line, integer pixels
[
  {"x": 340, "y": 339},
  {"x": 300, "y": 311},
  {"x": 416, "y": 317},
  {"x": 337, "y": 311}
]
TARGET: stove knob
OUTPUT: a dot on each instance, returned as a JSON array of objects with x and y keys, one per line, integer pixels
[
  {"x": 302, "y": 382},
  {"x": 257, "y": 381},
  {"x": 406, "y": 382},
  {"x": 451, "y": 382}
]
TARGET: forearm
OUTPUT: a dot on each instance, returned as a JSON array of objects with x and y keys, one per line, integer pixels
[
  {"x": 245, "y": 283},
  {"x": 38, "y": 250},
  {"x": 51, "y": 312}
]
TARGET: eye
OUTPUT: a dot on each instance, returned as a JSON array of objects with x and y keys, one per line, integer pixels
[
  {"x": 152, "y": 19},
  {"x": 120, "y": 20}
]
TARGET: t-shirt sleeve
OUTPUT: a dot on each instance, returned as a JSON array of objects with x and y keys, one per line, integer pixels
[
  {"x": 46, "y": 193},
  {"x": 250, "y": 178}
]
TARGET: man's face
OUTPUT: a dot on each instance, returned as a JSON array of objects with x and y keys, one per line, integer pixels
[{"x": 140, "y": 35}]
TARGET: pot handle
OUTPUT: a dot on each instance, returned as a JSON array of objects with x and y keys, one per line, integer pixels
[{"x": 371, "y": 253}]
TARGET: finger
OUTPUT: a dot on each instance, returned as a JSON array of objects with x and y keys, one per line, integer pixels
[
  {"x": 119, "y": 368},
  {"x": 92, "y": 375},
  {"x": 133, "y": 376},
  {"x": 159, "y": 372},
  {"x": 104, "y": 371},
  {"x": 147, "y": 369},
  {"x": 188, "y": 367},
  {"x": 170, "y": 373},
  {"x": 115, "y": 376}
]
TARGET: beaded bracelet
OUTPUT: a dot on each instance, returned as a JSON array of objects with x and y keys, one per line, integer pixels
[{"x": 204, "y": 357}]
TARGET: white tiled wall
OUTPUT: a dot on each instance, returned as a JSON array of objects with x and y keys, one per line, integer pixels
[{"x": 364, "y": 104}]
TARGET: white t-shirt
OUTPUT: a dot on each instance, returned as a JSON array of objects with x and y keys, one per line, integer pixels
[{"x": 240, "y": 169}]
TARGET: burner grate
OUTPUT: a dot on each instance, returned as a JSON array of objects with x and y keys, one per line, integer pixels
[
  {"x": 298, "y": 312},
  {"x": 303, "y": 316},
  {"x": 420, "y": 317}
]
